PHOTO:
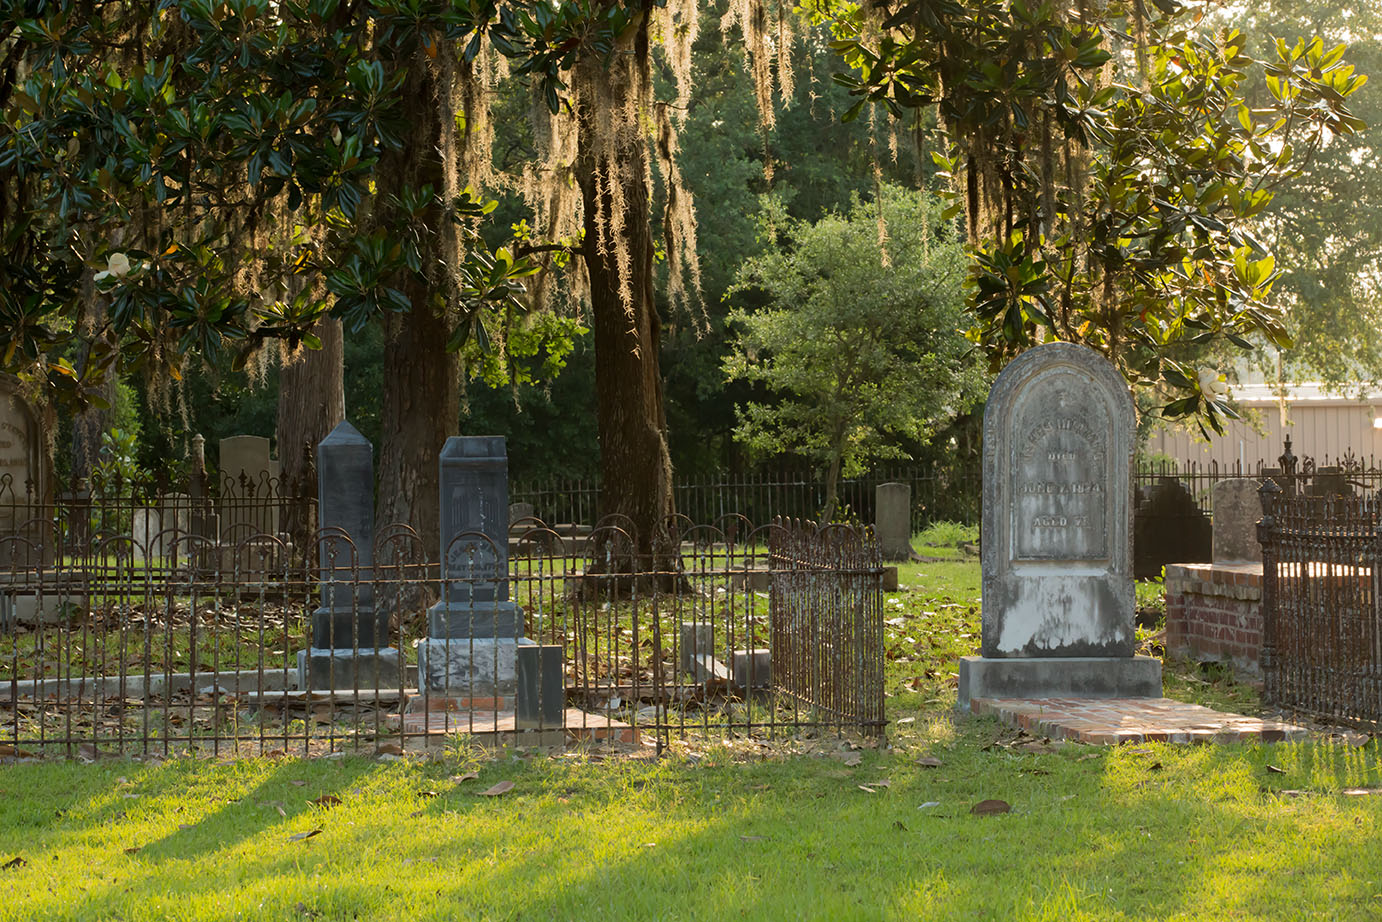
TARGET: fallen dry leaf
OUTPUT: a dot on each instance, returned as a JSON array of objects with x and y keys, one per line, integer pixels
[
  {"x": 1274, "y": 769},
  {"x": 1088, "y": 755},
  {"x": 133, "y": 849},
  {"x": 16, "y": 862},
  {"x": 929, "y": 762},
  {"x": 299, "y": 836},
  {"x": 853, "y": 759},
  {"x": 326, "y": 800},
  {"x": 990, "y": 807},
  {"x": 297, "y": 783},
  {"x": 1361, "y": 792},
  {"x": 866, "y": 789},
  {"x": 499, "y": 789},
  {"x": 468, "y": 776},
  {"x": 389, "y": 749}
]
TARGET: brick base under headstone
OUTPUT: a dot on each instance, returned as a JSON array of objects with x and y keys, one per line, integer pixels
[
  {"x": 1132, "y": 720},
  {"x": 1214, "y": 614}
]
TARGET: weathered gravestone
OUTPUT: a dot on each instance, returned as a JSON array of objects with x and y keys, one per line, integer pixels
[
  {"x": 893, "y": 520},
  {"x": 23, "y": 480},
  {"x": 474, "y": 631},
  {"x": 1056, "y": 546},
  {"x": 25, "y": 512},
  {"x": 249, "y": 479},
  {"x": 1237, "y": 507},
  {"x": 349, "y": 637}
]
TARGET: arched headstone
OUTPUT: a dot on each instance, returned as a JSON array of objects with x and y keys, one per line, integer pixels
[{"x": 1058, "y": 600}]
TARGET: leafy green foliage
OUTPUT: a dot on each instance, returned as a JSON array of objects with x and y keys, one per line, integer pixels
[
  {"x": 1110, "y": 205},
  {"x": 861, "y": 343},
  {"x": 216, "y": 159}
]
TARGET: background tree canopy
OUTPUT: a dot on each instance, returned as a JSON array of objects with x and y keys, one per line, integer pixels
[
  {"x": 860, "y": 338},
  {"x": 198, "y": 179}
]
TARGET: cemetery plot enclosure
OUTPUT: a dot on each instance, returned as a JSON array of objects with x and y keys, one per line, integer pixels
[
  {"x": 181, "y": 644},
  {"x": 1322, "y": 643}
]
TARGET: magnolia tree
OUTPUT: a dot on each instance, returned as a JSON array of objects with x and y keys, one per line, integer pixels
[{"x": 1111, "y": 169}]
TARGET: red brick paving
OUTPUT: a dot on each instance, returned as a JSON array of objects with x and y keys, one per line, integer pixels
[{"x": 1132, "y": 720}]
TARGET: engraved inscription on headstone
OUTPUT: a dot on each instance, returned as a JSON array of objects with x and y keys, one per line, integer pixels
[{"x": 1060, "y": 474}]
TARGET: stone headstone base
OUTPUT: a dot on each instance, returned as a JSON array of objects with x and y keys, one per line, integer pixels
[
  {"x": 466, "y": 668},
  {"x": 463, "y": 620},
  {"x": 1058, "y": 677},
  {"x": 366, "y": 669}
]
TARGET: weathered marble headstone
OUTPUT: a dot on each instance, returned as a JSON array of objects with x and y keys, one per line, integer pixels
[
  {"x": 1237, "y": 507},
  {"x": 25, "y": 484},
  {"x": 248, "y": 504},
  {"x": 474, "y": 631},
  {"x": 349, "y": 638},
  {"x": 893, "y": 520},
  {"x": 22, "y": 480},
  {"x": 159, "y": 531},
  {"x": 1057, "y": 526}
]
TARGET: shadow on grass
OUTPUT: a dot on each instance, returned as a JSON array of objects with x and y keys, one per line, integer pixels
[{"x": 1146, "y": 832}]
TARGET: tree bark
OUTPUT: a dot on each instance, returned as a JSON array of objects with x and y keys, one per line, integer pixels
[
  {"x": 635, "y": 465},
  {"x": 421, "y": 410},
  {"x": 311, "y": 402},
  {"x": 91, "y": 423},
  {"x": 421, "y": 404}
]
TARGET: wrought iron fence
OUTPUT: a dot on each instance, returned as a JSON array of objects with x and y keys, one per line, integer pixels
[
  {"x": 1322, "y": 631},
  {"x": 938, "y": 494},
  {"x": 180, "y": 645}
]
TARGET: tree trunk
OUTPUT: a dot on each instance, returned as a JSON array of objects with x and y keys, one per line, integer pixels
[
  {"x": 89, "y": 424},
  {"x": 635, "y": 465},
  {"x": 311, "y": 401},
  {"x": 421, "y": 409},
  {"x": 421, "y": 404}
]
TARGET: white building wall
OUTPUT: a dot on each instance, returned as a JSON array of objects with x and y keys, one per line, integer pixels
[{"x": 1322, "y": 427}]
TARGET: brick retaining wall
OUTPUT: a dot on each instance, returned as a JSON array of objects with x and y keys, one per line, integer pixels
[{"x": 1214, "y": 614}]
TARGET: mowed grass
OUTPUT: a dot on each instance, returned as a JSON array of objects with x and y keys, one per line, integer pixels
[{"x": 805, "y": 829}]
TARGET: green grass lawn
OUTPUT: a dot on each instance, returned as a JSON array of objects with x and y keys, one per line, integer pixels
[{"x": 808, "y": 829}]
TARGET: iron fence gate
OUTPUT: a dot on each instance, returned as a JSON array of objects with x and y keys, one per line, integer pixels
[{"x": 1322, "y": 631}]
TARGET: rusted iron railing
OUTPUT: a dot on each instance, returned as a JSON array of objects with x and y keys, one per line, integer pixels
[
  {"x": 174, "y": 643},
  {"x": 1322, "y": 630}
]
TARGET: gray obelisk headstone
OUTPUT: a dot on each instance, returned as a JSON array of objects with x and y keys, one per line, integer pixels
[
  {"x": 474, "y": 631},
  {"x": 349, "y": 638},
  {"x": 1237, "y": 507},
  {"x": 893, "y": 520},
  {"x": 1056, "y": 548}
]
